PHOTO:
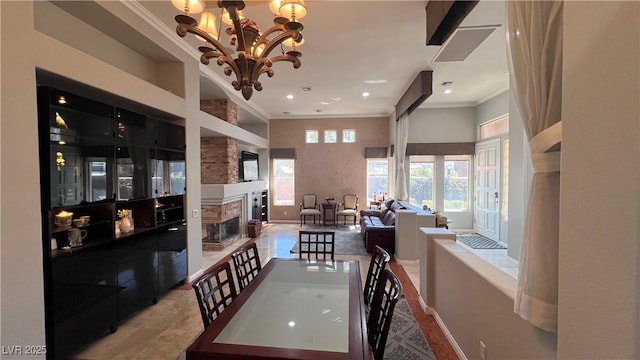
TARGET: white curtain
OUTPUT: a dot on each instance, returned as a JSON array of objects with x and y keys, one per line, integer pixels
[
  {"x": 534, "y": 39},
  {"x": 402, "y": 136}
]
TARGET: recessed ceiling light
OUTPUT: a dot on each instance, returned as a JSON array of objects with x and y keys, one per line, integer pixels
[
  {"x": 448, "y": 91},
  {"x": 318, "y": 110},
  {"x": 62, "y": 100},
  {"x": 290, "y": 97},
  {"x": 324, "y": 103},
  {"x": 286, "y": 112},
  {"x": 306, "y": 88},
  {"x": 365, "y": 94},
  {"x": 447, "y": 83},
  {"x": 375, "y": 81},
  {"x": 336, "y": 98}
]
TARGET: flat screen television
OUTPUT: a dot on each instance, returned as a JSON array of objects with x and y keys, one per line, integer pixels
[{"x": 249, "y": 166}]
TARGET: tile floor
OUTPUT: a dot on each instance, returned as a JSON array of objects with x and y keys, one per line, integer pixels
[{"x": 164, "y": 330}]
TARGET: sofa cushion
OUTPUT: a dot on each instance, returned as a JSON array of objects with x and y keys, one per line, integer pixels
[
  {"x": 389, "y": 218},
  {"x": 395, "y": 206},
  {"x": 388, "y": 202},
  {"x": 384, "y": 212},
  {"x": 372, "y": 221}
]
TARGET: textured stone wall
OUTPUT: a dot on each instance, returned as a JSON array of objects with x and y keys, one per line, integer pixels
[
  {"x": 218, "y": 160},
  {"x": 220, "y": 213},
  {"x": 222, "y": 109}
]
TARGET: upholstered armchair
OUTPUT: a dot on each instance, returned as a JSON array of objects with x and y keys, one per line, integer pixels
[
  {"x": 309, "y": 207},
  {"x": 349, "y": 207}
]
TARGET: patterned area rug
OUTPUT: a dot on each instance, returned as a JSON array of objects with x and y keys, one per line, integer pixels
[
  {"x": 405, "y": 340},
  {"x": 348, "y": 240},
  {"x": 476, "y": 241}
]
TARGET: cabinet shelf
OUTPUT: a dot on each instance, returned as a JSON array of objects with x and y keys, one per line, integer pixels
[{"x": 58, "y": 229}]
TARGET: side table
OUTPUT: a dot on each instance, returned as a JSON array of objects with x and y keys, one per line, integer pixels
[
  {"x": 329, "y": 213},
  {"x": 375, "y": 205}
]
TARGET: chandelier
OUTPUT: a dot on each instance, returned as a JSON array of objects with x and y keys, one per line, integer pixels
[{"x": 252, "y": 46}]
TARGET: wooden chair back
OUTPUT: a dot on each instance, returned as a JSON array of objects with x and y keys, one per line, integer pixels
[
  {"x": 215, "y": 291},
  {"x": 385, "y": 298},
  {"x": 379, "y": 260},
  {"x": 246, "y": 261},
  {"x": 316, "y": 244}
]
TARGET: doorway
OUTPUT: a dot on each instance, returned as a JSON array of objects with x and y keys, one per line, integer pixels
[{"x": 487, "y": 189}]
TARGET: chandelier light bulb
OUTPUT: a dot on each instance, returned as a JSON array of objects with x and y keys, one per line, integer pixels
[
  {"x": 292, "y": 44},
  {"x": 208, "y": 24},
  {"x": 274, "y": 7},
  {"x": 293, "y": 9},
  {"x": 188, "y": 6}
]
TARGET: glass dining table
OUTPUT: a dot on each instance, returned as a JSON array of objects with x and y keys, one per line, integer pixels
[{"x": 293, "y": 309}]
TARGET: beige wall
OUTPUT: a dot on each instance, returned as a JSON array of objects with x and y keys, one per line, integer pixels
[
  {"x": 598, "y": 287},
  {"x": 327, "y": 170}
]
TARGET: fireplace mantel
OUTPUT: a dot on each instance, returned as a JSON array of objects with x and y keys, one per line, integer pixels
[{"x": 222, "y": 193}]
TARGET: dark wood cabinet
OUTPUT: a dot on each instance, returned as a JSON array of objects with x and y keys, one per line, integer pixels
[
  {"x": 100, "y": 162},
  {"x": 261, "y": 206}
]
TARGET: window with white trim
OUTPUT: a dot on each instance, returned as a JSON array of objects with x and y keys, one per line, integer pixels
[{"x": 284, "y": 182}]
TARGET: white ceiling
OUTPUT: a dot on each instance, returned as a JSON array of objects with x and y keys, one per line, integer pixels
[{"x": 350, "y": 42}]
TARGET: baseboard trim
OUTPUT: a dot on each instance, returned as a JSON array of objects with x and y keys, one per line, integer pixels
[
  {"x": 407, "y": 262},
  {"x": 448, "y": 335},
  {"x": 195, "y": 275},
  {"x": 424, "y": 306}
]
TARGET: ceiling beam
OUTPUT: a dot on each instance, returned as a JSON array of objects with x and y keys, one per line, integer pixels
[
  {"x": 444, "y": 17},
  {"x": 419, "y": 90}
]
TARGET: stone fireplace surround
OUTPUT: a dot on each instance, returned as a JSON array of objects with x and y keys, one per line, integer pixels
[
  {"x": 224, "y": 199},
  {"x": 222, "y": 202}
]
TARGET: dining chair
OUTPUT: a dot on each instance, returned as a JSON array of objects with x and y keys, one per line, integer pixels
[
  {"x": 349, "y": 207},
  {"x": 246, "y": 261},
  {"x": 215, "y": 291},
  {"x": 317, "y": 243},
  {"x": 379, "y": 261},
  {"x": 385, "y": 298},
  {"x": 309, "y": 207}
]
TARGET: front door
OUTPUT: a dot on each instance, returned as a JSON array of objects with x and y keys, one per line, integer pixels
[{"x": 487, "y": 198}]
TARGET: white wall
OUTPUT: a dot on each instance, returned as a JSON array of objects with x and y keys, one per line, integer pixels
[
  {"x": 599, "y": 193},
  {"x": 494, "y": 108},
  {"x": 22, "y": 295},
  {"x": 442, "y": 125}
]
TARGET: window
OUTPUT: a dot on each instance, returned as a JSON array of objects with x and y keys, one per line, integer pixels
[
  {"x": 330, "y": 136},
  {"x": 456, "y": 183},
  {"x": 311, "y": 137},
  {"x": 125, "y": 179},
  {"x": 348, "y": 136},
  {"x": 494, "y": 128},
  {"x": 97, "y": 180},
  {"x": 377, "y": 177},
  {"x": 421, "y": 172},
  {"x": 284, "y": 182},
  {"x": 177, "y": 174},
  {"x": 157, "y": 178}
]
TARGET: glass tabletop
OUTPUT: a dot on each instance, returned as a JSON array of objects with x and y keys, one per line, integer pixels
[{"x": 299, "y": 305}]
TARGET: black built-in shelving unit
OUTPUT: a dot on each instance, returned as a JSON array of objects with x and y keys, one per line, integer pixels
[{"x": 96, "y": 159}]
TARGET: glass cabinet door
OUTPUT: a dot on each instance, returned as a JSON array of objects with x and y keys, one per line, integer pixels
[{"x": 132, "y": 154}]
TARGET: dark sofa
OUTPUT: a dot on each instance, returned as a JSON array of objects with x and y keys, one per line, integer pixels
[{"x": 378, "y": 226}]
